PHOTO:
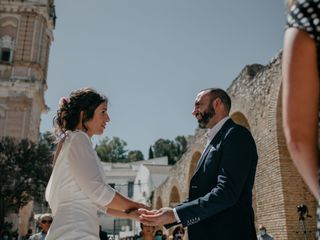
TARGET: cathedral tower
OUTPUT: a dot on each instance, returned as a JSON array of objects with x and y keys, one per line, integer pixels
[{"x": 26, "y": 28}]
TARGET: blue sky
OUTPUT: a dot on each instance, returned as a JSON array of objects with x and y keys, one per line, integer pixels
[{"x": 151, "y": 57}]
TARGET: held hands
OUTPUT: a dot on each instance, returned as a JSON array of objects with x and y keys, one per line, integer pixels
[
  {"x": 133, "y": 212},
  {"x": 156, "y": 217},
  {"x": 148, "y": 217}
]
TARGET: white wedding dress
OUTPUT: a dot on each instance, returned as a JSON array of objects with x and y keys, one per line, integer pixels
[{"x": 76, "y": 189}]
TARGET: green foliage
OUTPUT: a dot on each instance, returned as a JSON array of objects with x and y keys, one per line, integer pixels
[
  {"x": 172, "y": 149},
  {"x": 25, "y": 170},
  {"x": 135, "y": 155},
  {"x": 114, "y": 150},
  {"x": 151, "y": 155},
  {"x": 164, "y": 147},
  {"x": 48, "y": 140},
  {"x": 181, "y": 144}
]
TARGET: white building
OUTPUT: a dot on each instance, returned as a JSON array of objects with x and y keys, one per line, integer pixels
[
  {"x": 136, "y": 180},
  {"x": 151, "y": 174}
]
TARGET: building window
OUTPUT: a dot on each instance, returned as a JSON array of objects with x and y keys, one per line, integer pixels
[
  {"x": 5, "y": 55},
  {"x": 130, "y": 189}
]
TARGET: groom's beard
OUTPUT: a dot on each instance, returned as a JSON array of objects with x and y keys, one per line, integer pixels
[{"x": 205, "y": 117}]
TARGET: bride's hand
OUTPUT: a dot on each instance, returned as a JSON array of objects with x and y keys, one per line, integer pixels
[{"x": 133, "y": 212}]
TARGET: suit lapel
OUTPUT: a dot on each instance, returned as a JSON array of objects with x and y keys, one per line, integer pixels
[
  {"x": 217, "y": 137},
  {"x": 203, "y": 156}
]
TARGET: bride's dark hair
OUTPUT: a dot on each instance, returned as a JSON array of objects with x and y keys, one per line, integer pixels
[{"x": 84, "y": 100}]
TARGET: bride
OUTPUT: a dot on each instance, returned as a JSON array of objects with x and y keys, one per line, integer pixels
[{"x": 77, "y": 186}]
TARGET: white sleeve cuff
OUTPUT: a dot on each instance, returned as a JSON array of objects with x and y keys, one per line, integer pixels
[{"x": 176, "y": 215}]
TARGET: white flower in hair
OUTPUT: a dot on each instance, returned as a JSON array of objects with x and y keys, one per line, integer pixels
[{"x": 63, "y": 101}]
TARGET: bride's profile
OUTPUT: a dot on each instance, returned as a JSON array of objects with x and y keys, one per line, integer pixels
[{"x": 77, "y": 186}]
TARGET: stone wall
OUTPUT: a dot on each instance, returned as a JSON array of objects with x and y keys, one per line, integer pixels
[{"x": 278, "y": 189}]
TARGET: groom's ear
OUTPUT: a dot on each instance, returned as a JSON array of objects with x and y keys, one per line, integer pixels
[{"x": 216, "y": 103}]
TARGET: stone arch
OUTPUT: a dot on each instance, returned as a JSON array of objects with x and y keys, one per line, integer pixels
[
  {"x": 159, "y": 203},
  {"x": 240, "y": 118},
  {"x": 174, "y": 197},
  {"x": 193, "y": 163},
  {"x": 9, "y": 26},
  {"x": 9, "y": 21},
  {"x": 8, "y": 34}
]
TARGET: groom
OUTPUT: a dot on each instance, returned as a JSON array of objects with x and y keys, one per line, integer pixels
[{"x": 220, "y": 192}]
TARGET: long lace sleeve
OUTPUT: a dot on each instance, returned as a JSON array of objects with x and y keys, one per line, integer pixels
[{"x": 85, "y": 170}]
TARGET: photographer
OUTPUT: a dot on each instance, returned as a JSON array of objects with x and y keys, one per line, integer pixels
[
  {"x": 263, "y": 235},
  {"x": 303, "y": 211}
]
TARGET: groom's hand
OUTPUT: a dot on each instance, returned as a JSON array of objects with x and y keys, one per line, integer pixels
[{"x": 157, "y": 217}]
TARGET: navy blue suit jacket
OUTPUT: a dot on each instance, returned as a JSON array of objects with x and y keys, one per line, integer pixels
[{"x": 219, "y": 206}]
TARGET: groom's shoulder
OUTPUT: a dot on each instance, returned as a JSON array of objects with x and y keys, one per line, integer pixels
[{"x": 236, "y": 130}]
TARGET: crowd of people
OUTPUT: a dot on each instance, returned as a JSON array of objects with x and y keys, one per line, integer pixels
[
  {"x": 156, "y": 233},
  {"x": 146, "y": 233}
]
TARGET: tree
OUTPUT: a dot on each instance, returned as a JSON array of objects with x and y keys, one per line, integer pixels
[
  {"x": 181, "y": 144},
  {"x": 112, "y": 150},
  {"x": 172, "y": 149},
  {"x": 165, "y": 147},
  {"x": 25, "y": 170},
  {"x": 49, "y": 140},
  {"x": 135, "y": 155},
  {"x": 151, "y": 155}
]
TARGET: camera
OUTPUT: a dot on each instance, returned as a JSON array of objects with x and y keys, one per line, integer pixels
[{"x": 302, "y": 209}]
